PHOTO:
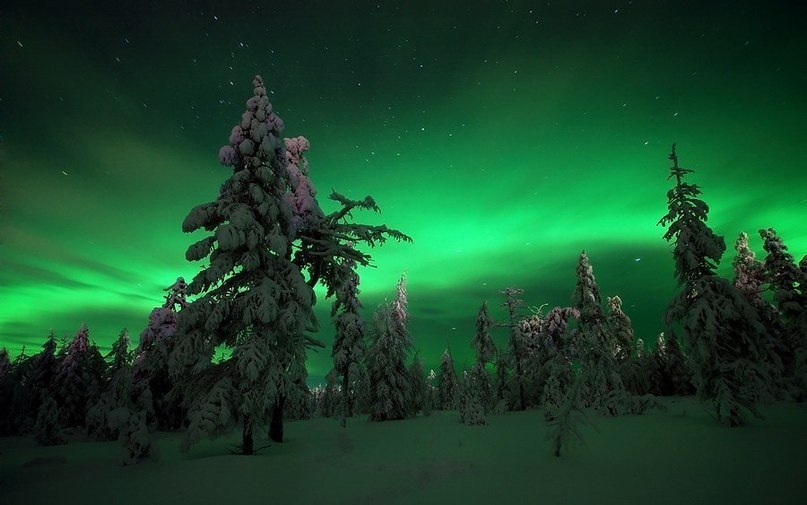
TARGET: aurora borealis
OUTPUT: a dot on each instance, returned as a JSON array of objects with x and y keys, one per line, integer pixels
[{"x": 503, "y": 137}]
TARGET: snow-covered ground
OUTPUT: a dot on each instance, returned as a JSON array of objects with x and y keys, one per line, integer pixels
[{"x": 681, "y": 456}]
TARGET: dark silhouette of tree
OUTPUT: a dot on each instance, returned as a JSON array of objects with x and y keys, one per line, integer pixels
[
  {"x": 77, "y": 383},
  {"x": 516, "y": 349},
  {"x": 788, "y": 283},
  {"x": 349, "y": 345},
  {"x": 482, "y": 342},
  {"x": 153, "y": 385},
  {"x": 721, "y": 330}
]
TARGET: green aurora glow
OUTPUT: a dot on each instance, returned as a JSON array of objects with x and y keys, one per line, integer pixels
[{"x": 503, "y": 137}]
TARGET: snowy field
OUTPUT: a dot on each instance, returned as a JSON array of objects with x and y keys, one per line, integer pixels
[{"x": 681, "y": 456}]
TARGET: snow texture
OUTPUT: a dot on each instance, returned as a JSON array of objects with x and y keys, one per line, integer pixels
[{"x": 436, "y": 460}]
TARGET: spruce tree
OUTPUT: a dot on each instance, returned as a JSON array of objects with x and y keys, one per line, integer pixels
[
  {"x": 399, "y": 312},
  {"x": 672, "y": 375},
  {"x": 566, "y": 417},
  {"x": 349, "y": 345},
  {"x": 252, "y": 297},
  {"x": 5, "y": 363},
  {"x": 133, "y": 435},
  {"x": 117, "y": 391},
  {"x": 621, "y": 330},
  {"x": 749, "y": 273},
  {"x": 326, "y": 242},
  {"x": 783, "y": 277},
  {"x": 430, "y": 401},
  {"x": 516, "y": 349},
  {"x": 17, "y": 414},
  {"x": 78, "y": 379},
  {"x": 329, "y": 397},
  {"x": 150, "y": 367},
  {"x": 360, "y": 389},
  {"x": 298, "y": 405},
  {"x": 480, "y": 379},
  {"x": 469, "y": 403},
  {"x": 503, "y": 382},
  {"x": 788, "y": 284},
  {"x": 419, "y": 402},
  {"x": 41, "y": 374},
  {"x": 534, "y": 356},
  {"x": 643, "y": 370},
  {"x": 47, "y": 429},
  {"x": 5, "y": 386},
  {"x": 482, "y": 342},
  {"x": 602, "y": 386},
  {"x": 120, "y": 357},
  {"x": 447, "y": 382},
  {"x": 559, "y": 370},
  {"x": 749, "y": 277},
  {"x": 390, "y": 390},
  {"x": 721, "y": 330},
  {"x": 640, "y": 350}
]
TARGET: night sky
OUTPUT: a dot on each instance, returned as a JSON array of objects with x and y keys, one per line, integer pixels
[{"x": 504, "y": 137}]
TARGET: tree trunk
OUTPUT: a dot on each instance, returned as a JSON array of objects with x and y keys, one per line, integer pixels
[
  {"x": 522, "y": 396},
  {"x": 345, "y": 400},
  {"x": 276, "y": 425},
  {"x": 247, "y": 443}
]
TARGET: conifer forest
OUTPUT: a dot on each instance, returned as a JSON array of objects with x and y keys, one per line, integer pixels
[{"x": 403, "y": 252}]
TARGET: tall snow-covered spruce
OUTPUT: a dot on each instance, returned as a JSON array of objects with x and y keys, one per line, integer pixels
[
  {"x": 447, "y": 387},
  {"x": 565, "y": 418},
  {"x": 390, "y": 387},
  {"x": 78, "y": 379},
  {"x": 621, "y": 340},
  {"x": 152, "y": 383},
  {"x": 253, "y": 297},
  {"x": 559, "y": 371},
  {"x": 482, "y": 342},
  {"x": 420, "y": 387},
  {"x": 516, "y": 346},
  {"x": 24, "y": 383},
  {"x": 602, "y": 386},
  {"x": 722, "y": 333},
  {"x": 469, "y": 403},
  {"x": 349, "y": 346},
  {"x": 670, "y": 375},
  {"x": 485, "y": 350},
  {"x": 117, "y": 390},
  {"x": 788, "y": 283},
  {"x": 749, "y": 272},
  {"x": 621, "y": 331}
]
